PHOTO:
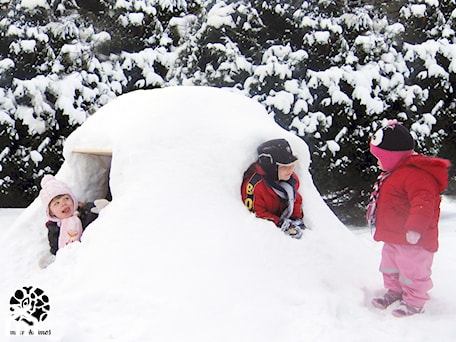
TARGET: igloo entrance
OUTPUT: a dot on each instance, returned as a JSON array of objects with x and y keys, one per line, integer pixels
[{"x": 91, "y": 169}]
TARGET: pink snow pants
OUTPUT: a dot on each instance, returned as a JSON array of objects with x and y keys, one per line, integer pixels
[{"x": 407, "y": 269}]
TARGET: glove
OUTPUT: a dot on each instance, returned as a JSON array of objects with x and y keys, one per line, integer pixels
[
  {"x": 284, "y": 224},
  {"x": 294, "y": 232},
  {"x": 297, "y": 222},
  {"x": 289, "y": 227},
  {"x": 412, "y": 237},
  {"x": 99, "y": 204}
]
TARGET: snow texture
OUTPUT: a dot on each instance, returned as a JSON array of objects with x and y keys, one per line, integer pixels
[{"x": 177, "y": 257}]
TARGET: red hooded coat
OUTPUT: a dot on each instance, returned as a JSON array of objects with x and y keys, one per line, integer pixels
[{"x": 409, "y": 200}]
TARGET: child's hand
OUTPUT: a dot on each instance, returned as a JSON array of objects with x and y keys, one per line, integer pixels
[
  {"x": 294, "y": 232},
  {"x": 299, "y": 223},
  {"x": 290, "y": 227},
  {"x": 285, "y": 224},
  {"x": 412, "y": 237},
  {"x": 99, "y": 204}
]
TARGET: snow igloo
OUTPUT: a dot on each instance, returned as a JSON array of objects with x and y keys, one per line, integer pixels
[{"x": 176, "y": 256}]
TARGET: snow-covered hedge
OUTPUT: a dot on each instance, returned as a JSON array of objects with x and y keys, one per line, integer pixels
[{"x": 327, "y": 72}]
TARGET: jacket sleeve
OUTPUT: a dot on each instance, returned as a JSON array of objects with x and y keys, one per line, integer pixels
[
  {"x": 260, "y": 208},
  {"x": 255, "y": 198},
  {"x": 86, "y": 215},
  {"x": 424, "y": 198},
  {"x": 297, "y": 209},
  {"x": 53, "y": 236}
]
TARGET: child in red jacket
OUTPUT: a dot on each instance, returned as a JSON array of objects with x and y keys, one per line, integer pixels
[
  {"x": 270, "y": 187},
  {"x": 405, "y": 209}
]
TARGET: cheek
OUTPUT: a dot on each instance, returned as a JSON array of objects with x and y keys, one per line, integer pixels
[
  {"x": 285, "y": 173},
  {"x": 51, "y": 213}
]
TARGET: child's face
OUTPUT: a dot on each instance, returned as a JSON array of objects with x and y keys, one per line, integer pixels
[
  {"x": 285, "y": 172},
  {"x": 61, "y": 206}
]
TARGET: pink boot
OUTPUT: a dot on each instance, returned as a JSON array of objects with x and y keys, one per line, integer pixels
[
  {"x": 389, "y": 298},
  {"x": 407, "y": 310}
]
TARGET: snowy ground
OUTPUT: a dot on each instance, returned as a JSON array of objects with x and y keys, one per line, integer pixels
[
  {"x": 377, "y": 326},
  {"x": 177, "y": 257},
  {"x": 7, "y": 217}
]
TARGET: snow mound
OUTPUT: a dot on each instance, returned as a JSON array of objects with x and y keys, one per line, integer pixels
[{"x": 176, "y": 256}]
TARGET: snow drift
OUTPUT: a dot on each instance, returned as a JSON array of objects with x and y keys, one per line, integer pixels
[{"x": 176, "y": 256}]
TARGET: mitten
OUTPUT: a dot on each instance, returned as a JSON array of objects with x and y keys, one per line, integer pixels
[
  {"x": 289, "y": 228},
  {"x": 99, "y": 204},
  {"x": 294, "y": 232},
  {"x": 297, "y": 222},
  {"x": 284, "y": 224},
  {"x": 412, "y": 237},
  {"x": 70, "y": 231}
]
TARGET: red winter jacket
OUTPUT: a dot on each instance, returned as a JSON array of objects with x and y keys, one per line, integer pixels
[
  {"x": 409, "y": 200},
  {"x": 263, "y": 201}
]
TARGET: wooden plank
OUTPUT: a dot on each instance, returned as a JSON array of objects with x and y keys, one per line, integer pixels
[{"x": 95, "y": 151}]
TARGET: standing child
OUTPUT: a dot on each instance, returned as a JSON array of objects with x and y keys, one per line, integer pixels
[
  {"x": 65, "y": 223},
  {"x": 270, "y": 187},
  {"x": 405, "y": 209}
]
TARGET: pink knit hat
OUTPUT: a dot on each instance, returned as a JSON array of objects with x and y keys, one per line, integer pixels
[
  {"x": 52, "y": 187},
  {"x": 391, "y": 144}
]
